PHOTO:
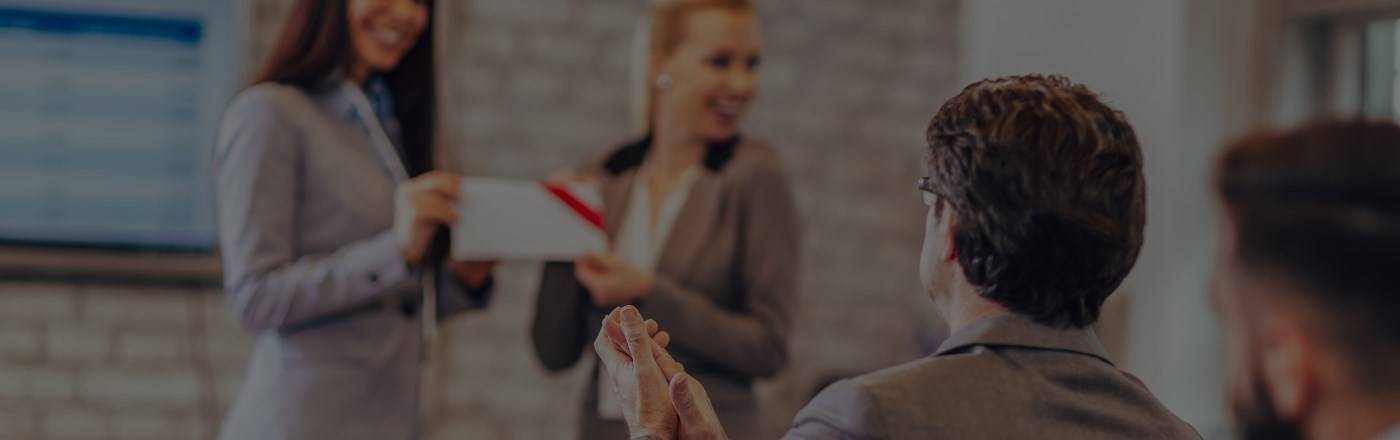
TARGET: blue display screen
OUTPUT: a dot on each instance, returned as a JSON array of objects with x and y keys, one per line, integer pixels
[{"x": 105, "y": 122}]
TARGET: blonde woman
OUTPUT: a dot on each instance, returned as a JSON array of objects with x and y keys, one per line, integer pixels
[{"x": 701, "y": 222}]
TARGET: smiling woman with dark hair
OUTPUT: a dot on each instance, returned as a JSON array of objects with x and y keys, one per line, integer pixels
[{"x": 329, "y": 211}]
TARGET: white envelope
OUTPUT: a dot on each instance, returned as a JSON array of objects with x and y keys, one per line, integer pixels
[{"x": 505, "y": 219}]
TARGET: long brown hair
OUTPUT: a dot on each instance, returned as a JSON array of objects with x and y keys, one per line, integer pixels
[{"x": 315, "y": 43}]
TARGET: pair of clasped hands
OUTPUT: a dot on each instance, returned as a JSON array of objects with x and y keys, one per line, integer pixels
[{"x": 659, "y": 400}]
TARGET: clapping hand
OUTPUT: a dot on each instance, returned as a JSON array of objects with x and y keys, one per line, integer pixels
[{"x": 659, "y": 399}]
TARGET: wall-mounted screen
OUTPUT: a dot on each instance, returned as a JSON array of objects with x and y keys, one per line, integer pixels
[{"x": 107, "y": 111}]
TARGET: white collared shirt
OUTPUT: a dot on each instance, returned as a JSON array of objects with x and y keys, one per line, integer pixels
[{"x": 639, "y": 242}]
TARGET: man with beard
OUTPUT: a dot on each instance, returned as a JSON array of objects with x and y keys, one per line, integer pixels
[{"x": 1306, "y": 281}]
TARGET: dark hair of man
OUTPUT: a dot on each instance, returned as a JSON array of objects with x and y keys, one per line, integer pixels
[
  {"x": 1047, "y": 191},
  {"x": 1318, "y": 209}
]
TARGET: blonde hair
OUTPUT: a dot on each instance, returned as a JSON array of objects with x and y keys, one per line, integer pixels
[{"x": 658, "y": 34}]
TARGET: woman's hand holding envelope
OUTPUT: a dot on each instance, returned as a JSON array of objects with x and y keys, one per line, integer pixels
[
  {"x": 422, "y": 205},
  {"x": 611, "y": 281}
]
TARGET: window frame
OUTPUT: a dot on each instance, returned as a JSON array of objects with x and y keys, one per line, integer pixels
[{"x": 1310, "y": 57}]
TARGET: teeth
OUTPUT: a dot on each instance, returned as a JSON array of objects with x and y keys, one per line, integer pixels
[
  {"x": 727, "y": 108},
  {"x": 390, "y": 37}
]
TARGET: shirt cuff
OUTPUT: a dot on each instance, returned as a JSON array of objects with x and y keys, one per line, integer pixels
[{"x": 381, "y": 267}]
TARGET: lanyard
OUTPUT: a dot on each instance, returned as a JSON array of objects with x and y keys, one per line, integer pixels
[
  {"x": 390, "y": 157},
  {"x": 385, "y": 147}
]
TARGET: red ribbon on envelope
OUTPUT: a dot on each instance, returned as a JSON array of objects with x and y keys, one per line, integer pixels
[{"x": 585, "y": 212}]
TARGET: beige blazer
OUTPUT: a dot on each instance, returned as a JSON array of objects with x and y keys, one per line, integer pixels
[
  {"x": 1003, "y": 377},
  {"x": 726, "y": 281}
]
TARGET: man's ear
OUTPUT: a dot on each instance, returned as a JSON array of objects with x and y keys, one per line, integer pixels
[{"x": 1289, "y": 366}]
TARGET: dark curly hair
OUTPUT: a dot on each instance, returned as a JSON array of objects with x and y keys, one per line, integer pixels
[{"x": 1047, "y": 191}]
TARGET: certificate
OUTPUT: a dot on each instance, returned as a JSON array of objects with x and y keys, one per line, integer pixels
[{"x": 506, "y": 219}]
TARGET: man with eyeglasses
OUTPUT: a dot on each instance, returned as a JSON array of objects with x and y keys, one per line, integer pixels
[{"x": 1036, "y": 213}]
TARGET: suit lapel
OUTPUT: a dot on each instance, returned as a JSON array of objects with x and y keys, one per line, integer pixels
[
  {"x": 342, "y": 105},
  {"x": 692, "y": 227},
  {"x": 616, "y": 199}
]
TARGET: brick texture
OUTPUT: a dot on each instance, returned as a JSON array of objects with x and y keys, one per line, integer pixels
[{"x": 530, "y": 86}]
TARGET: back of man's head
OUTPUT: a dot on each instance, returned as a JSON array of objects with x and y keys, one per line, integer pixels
[
  {"x": 1316, "y": 211},
  {"x": 1047, "y": 191}
]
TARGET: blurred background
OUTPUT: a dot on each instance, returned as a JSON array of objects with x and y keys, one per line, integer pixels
[{"x": 112, "y": 324}]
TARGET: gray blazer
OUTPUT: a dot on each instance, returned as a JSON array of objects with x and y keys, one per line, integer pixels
[
  {"x": 726, "y": 282},
  {"x": 1003, "y": 377},
  {"x": 313, "y": 271}
]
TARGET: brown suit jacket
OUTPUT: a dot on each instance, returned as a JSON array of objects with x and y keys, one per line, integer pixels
[
  {"x": 725, "y": 282},
  {"x": 1003, "y": 377}
]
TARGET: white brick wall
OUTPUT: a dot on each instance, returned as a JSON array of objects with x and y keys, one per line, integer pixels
[
  {"x": 74, "y": 341},
  {"x": 31, "y": 302},
  {"x": 151, "y": 347},
  {"x": 151, "y": 426},
  {"x": 37, "y": 384},
  {"x": 531, "y": 86},
  {"x": 19, "y": 422},
  {"x": 20, "y": 341},
  {"x": 102, "y": 362},
  {"x": 169, "y": 387},
  {"x": 76, "y": 423},
  {"x": 136, "y": 307}
]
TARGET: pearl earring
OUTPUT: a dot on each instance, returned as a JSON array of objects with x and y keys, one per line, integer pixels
[{"x": 663, "y": 81}]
